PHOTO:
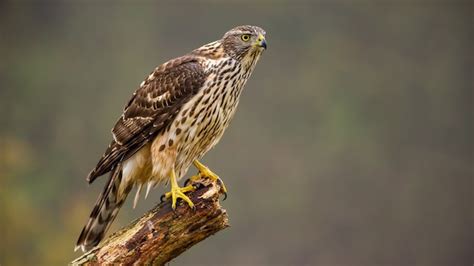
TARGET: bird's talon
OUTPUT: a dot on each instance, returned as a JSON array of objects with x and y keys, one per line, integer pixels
[
  {"x": 204, "y": 172},
  {"x": 178, "y": 192},
  {"x": 223, "y": 188},
  {"x": 187, "y": 181}
]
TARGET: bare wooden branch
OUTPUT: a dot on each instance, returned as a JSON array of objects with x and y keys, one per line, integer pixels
[{"x": 162, "y": 234}]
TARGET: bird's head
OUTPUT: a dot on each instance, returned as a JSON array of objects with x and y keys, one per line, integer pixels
[{"x": 243, "y": 41}]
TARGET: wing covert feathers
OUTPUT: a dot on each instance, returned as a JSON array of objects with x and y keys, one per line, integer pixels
[{"x": 152, "y": 107}]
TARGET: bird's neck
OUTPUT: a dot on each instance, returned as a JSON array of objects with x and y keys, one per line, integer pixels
[
  {"x": 216, "y": 52},
  {"x": 250, "y": 60},
  {"x": 213, "y": 50}
]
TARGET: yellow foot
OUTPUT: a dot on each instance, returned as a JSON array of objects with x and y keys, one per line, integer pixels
[
  {"x": 178, "y": 192},
  {"x": 205, "y": 172}
]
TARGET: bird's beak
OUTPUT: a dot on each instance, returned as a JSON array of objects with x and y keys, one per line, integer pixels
[{"x": 261, "y": 42}]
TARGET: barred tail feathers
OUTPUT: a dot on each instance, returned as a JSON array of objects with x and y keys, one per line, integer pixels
[{"x": 105, "y": 210}]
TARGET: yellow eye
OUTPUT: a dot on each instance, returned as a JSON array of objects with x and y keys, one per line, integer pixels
[{"x": 245, "y": 37}]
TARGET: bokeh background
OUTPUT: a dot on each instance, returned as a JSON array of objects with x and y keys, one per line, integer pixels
[{"x": 352, "y": 144}]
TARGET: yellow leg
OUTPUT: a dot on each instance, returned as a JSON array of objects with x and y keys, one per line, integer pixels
[
  {"x": 205, "y": 172},
  {"x": 178, "y": 192}
]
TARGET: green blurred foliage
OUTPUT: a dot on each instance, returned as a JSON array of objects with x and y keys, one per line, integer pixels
[{"x": 352, "y": 144}]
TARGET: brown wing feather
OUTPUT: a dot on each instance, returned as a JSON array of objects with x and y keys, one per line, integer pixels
[{"x": 153, "y": 106}]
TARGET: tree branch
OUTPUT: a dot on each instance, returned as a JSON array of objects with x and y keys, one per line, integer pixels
[{"x": 163, "y": 234}]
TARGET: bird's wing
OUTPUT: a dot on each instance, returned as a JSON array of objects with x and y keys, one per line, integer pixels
[{"x": 151, "y": 109}]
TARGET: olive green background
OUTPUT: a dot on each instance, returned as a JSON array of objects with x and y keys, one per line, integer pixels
[{"x": 352, "y": 144}]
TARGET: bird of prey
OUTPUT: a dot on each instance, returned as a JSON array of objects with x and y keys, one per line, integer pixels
[{"x": 178, "y": 113}]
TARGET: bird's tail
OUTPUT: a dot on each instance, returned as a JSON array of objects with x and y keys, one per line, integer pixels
[{"x": 105, "y": 210}]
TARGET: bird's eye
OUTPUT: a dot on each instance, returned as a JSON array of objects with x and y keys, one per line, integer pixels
[{"x": 245, "y": 37}]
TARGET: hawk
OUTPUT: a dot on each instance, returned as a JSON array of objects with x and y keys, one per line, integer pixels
[{"x": 178, "y": 113}]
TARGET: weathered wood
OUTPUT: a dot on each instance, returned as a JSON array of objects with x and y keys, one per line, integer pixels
[{"x": 162, "y": 234}]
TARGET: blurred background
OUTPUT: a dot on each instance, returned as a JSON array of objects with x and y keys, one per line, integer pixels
[{"x": 352, "y": 144}]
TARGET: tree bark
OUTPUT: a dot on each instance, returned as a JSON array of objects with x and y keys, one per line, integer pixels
[{"x": 163, "y": 234}]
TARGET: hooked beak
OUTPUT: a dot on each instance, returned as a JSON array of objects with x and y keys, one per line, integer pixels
[{"x": 261, "y": 42}]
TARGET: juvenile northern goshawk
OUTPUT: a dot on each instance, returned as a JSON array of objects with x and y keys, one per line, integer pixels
[{"x": 176, "y": 115}]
